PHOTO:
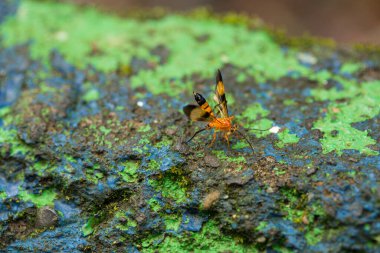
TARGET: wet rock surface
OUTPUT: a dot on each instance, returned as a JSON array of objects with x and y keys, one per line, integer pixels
[{"x": 93, "y": 157}]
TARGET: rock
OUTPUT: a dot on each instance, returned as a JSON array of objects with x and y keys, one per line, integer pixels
[
  {"x": 212, "y": 161},
  {"x": 46, "y": 217},
  {"x": 93, "y": 128}
]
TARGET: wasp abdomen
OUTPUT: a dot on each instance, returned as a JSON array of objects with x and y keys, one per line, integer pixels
[
  {"x": 203, "y": 103},
  {"x": 199, "y": 98}
]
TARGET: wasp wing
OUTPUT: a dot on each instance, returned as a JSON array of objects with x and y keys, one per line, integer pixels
[
  {"x": 220, "y": 96},
  {"x": 196, "y": 113}
]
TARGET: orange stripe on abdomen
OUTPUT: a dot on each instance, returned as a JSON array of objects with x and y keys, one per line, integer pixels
[
  {"x": 206, "y": 107},
  {"x": 203, "y": 103}
]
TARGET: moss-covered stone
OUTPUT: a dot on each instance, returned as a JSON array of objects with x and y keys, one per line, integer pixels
[{"x": 91, "y": 126}]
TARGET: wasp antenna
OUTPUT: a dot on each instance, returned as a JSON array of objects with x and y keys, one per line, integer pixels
[
  {"x": 255, "y": 129},
  {"x": 246, "y": 139},
  {"x": 197, "y": 132},
  {"x": 219, "y": 77},
  {"x": 262, "y": 130}
]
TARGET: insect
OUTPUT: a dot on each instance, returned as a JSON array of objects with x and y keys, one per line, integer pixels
[{"x": 203, "y": 112}]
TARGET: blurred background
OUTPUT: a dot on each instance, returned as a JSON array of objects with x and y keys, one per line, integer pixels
[{"x": 346, "y": 21}]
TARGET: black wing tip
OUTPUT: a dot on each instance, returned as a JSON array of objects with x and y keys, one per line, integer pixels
[{"x": 219, "y": 76}]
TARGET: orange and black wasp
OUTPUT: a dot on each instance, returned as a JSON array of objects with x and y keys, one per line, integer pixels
[{"x": 203, "y": 112}]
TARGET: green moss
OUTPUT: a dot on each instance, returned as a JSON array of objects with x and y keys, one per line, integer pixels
[
  {"x": 91, "y": 95},
  {"x": 222, "y": 156},
  {"x": 170, "y": 187},
  {"x": 253, "y": 111},
  {"x": 154, "y": 165},
  {"x": 240, "y": 144},
  {"x": 350, "y": 67},
  {"x": 164, "y": 142},
  {"x": 154, "y": 204},
  {"x": 285, "y": 137},
  {"x": 9, "y": 137},
  {"x": 255, "y": 114},
  {"x": 129, "y": 173},
  {"x": 314, "y": 236},
  {"x": 42, "y": 167},
  {"x": 321, "y": 76},
  {"x": 278, "y": 172},
  {"x": 71, "y": 159},
  {"x": 92, "y": 174},
  {"x": 105, "y": 131},
  {"x": 45, "y": 198},
  {"x": 76, "y": 33},
  {"x": 3, "y": 195},
  {"x": 288, "y": 102},
  {"x": 261, "y": 226},
  {"x": 292, "y": 205},
  {"x": 6, "y": 116},
  {"x": 282, "y": 249},
  {"x": 210, "y": 239},
  {"x": 127, "y": 224},
  {"x": 363, "y": 104},
  {"x": 89, "y": 227},
  {"x": 144, "y": 129},
  {"x": 351, "y": 89},
  {"x": 4, "y": 111},
  {"x": 238, "y": 160},
  {"x": 296, "y": 209},
  {"x": 172, "y": 221}
]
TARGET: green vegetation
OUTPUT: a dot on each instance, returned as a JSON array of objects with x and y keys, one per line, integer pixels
[
  {"x": 91, "y": 95},
  {"x": 350, "y": 67},
  {"x": 363, "y": 104},
  {"x": 89, "y": 227},
  {"x": 170, "y": 187},
  {"x": 314, "y": 236},
  {"x": 129, "y": 173},
  {"x": 9, "y": 137},
  {"x": 210, "y": 239},
  {"x": 285, "y": 137},
  {"x": 172, "y": 221},
  {"x": 234, "y": 159},
  {"x": 255, "y": 114},
  {"x": 3, "y": 195},
  {"x": 45, "y": 198},
  {"x": 93, "y": 174},
  {"x": 127, "y": 224},
  {"x": 261, "y": 226},
  {"x": 154, "y": 204},
  {"x": 109, "y": 49}
]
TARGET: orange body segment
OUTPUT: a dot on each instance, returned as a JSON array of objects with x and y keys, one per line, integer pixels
[
  {"x": 203, "y": 112},
  {"x": 222, "y": 124},
  {"x": 206, "y": 107}
]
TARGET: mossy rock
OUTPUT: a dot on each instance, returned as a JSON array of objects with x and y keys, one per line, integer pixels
[{"x": 91, "y": 127}]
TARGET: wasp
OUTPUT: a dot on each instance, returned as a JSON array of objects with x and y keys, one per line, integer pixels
[{"x": 221, "y": 121}]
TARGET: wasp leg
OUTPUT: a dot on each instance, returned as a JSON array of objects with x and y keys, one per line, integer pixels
[
  {"x": 228, "y": 141},
  {"x": 213, "y": 140},
  {"x": 245, "y": 138}
]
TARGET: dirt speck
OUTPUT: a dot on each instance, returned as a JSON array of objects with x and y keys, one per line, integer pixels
[{"x": 210, "y": 199}]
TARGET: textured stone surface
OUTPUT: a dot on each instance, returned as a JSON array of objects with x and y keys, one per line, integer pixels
[{"x": 91, "y": 129}]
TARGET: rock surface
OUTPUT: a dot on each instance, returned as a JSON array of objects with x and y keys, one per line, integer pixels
[{"x": 92, "y": 152}]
